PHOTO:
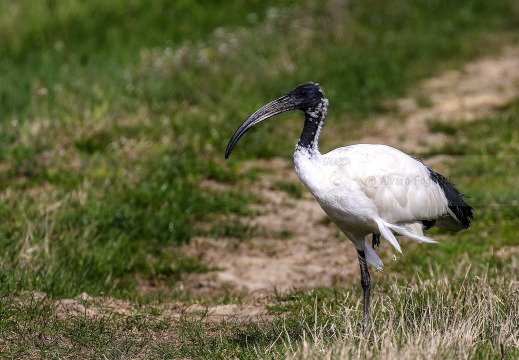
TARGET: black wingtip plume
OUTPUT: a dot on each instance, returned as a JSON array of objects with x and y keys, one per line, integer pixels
[{"x": 460, "y": 208}]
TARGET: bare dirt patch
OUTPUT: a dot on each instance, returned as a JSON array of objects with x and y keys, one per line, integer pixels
[
  {"x": 84, "y": 304},
  {"x": 295, "y": 248},
  {"x": 474, "y": 91}
]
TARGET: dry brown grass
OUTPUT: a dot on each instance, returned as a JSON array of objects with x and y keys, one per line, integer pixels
[{"x": 479, "y": 318}]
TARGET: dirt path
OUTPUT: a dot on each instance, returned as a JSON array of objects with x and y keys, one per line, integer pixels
[
  {"x": 296, "y": 247},
  {"x": 475, "y": 90}
]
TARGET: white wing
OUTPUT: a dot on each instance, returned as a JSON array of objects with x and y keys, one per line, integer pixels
[{"x": 398, "y": 185}]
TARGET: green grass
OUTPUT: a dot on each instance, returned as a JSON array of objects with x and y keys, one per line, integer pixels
[
  {"x": 442, "y": 127},
  {"x": 113, "y": 114},
  {"x": 472, "y": 314},
  {"x": 294, "y": 190}
]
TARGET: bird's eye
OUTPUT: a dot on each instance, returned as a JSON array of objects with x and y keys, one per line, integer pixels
[{"x": 302, "y": 93}]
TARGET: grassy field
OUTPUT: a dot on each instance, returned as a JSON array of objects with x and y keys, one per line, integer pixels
[{"x": 112, "y": 114}]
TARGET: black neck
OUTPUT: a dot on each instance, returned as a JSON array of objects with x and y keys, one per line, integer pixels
[{"x": 314, "y": 119}]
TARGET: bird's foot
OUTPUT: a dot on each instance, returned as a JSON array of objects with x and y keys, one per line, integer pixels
[{"x": 375, "y": 241}]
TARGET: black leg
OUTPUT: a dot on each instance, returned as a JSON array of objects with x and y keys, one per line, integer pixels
[
  {"x": 375, "y": 241},
  {"x": 365, "y": 281}
]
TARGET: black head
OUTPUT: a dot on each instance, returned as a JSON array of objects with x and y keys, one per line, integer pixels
[{"x": 305, "y": 97}]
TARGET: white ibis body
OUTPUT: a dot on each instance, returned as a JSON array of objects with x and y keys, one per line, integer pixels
[{"x": 366, "y": 189}]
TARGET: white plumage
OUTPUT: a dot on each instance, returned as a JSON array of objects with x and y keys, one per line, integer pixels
[
  {"x": 372, "y": 188},
  {"x": 366, "y": 189}
]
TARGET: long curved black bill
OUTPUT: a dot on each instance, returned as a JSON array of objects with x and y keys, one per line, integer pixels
[{"x": 275, "y": 107}]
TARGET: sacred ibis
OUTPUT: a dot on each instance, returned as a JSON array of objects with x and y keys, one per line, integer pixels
[{"x": 366, "y": 189}]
